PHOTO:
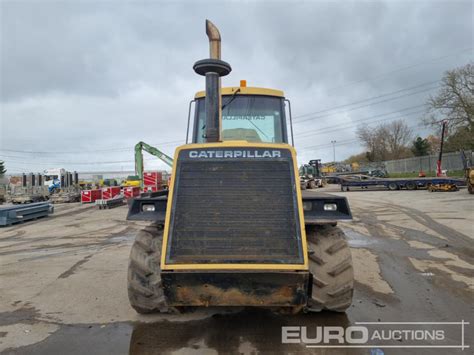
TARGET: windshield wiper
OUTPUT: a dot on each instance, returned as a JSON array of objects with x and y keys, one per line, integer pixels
[{"x": 234, "y": 95}]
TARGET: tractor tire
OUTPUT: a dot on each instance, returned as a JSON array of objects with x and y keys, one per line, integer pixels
[
  {"x": 330, "y": 263},
  {"x": 144, "y": 280},
  {"x": 393, "y": 186}
]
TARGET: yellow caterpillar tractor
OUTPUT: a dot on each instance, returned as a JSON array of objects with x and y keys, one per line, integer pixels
[{"x": 234, "y": 229}]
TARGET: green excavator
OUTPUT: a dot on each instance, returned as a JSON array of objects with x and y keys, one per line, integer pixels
[{"x": 137, "y": 179}]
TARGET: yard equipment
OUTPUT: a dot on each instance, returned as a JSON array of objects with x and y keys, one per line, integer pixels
[
  {"x": 470, "y": 179},
  {"x": 310, "y": 175},
  {"x": 329, "y": 168},
  {"x": 468, "y": 171},
  {"x": 55, "y": 186},
  {"x": 234, "y": 228},
  {"x": 131, "y": 180},
  {"x": 139, "y": 147},
  {"x": 63, "y": 186},
  {"x": 108, "y": 182},
  {"x": 442, "y": 187}
]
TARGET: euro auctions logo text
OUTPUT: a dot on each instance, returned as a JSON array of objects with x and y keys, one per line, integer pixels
[
  {"x": 354, "y": 335},
  {"x": 379, "y": 335}
]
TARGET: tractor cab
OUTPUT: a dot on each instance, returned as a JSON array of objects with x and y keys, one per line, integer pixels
[{"x": 248, "y": 113}]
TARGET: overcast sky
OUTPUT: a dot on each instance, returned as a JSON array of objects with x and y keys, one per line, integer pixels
[{"x": 83, "y": 81}]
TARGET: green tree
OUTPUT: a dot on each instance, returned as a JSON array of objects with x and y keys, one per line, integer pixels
[
  {"x": 420, "y": 147},
  {"x": 2, "y": 168}
]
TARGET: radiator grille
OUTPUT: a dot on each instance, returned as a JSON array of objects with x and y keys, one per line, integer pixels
[{"x": 234, "y": 211}]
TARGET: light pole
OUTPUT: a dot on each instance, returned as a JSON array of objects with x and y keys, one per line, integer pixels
[{"x": 334, "y": 151}]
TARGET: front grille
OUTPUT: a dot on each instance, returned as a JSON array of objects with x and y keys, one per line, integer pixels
[{"x": 234, "y": 211}]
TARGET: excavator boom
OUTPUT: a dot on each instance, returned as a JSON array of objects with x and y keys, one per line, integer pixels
[{"x": 139, "y": 148}]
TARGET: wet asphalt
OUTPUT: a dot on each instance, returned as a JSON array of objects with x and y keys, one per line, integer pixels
[{"x": 432, "y": 295}]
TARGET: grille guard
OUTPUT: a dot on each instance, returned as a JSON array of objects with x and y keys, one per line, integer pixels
[
  {"x": 316, "y": 215},
  {"x": 234, "y": 205}
]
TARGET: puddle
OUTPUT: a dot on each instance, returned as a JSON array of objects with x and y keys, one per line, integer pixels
[
  {"x": 426, "y": 274},
  {"x": 357, "y": 240},
  {"x": 129, "y": 237},
  {"x": 258, "y": 331}
]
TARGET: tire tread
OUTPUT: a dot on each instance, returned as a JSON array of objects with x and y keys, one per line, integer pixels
[{"x": 330, "y": 263}]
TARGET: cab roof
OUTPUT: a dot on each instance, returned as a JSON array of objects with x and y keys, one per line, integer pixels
[{"x": 245, "y": 90}]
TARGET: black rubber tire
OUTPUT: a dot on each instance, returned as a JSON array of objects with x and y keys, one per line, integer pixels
[
  {"x": 410, "y": 185},
  {"x": 330, "y": 263},
  {"x": 144, "y": 280},
  {"x": 392, "y": 186}
]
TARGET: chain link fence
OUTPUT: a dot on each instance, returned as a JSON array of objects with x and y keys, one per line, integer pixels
[{"x": 450, "y": 162}]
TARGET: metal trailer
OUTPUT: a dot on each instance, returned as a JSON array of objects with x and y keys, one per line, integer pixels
[
  {"x": 110, "y": 203},
  {"x": 396, "y": 183},
  {"x": 18, "y": 214}
]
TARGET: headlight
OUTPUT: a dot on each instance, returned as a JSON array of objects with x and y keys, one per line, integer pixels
[
  {"x": 330, "y": 207},
  {"x": 148, "y": 208}
]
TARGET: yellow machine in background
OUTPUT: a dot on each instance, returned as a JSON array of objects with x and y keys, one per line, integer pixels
[
  {"x": 470, "y": 179},
  {"x": 131, "y": 181},
  {"x": 355, "y": 167},
  {"x": 442, "y": 187},
  {"x": 108, "y": 182},
  {"x": 328, "y": 168}
]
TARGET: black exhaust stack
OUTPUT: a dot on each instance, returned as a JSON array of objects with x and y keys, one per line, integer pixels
[{"x": 213, "y": 68}]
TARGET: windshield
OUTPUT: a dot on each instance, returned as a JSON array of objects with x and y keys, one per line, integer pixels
[{"x": 253, "y": 118}]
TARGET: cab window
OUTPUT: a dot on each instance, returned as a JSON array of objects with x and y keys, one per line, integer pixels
[{"x": 252, "y": 118}]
